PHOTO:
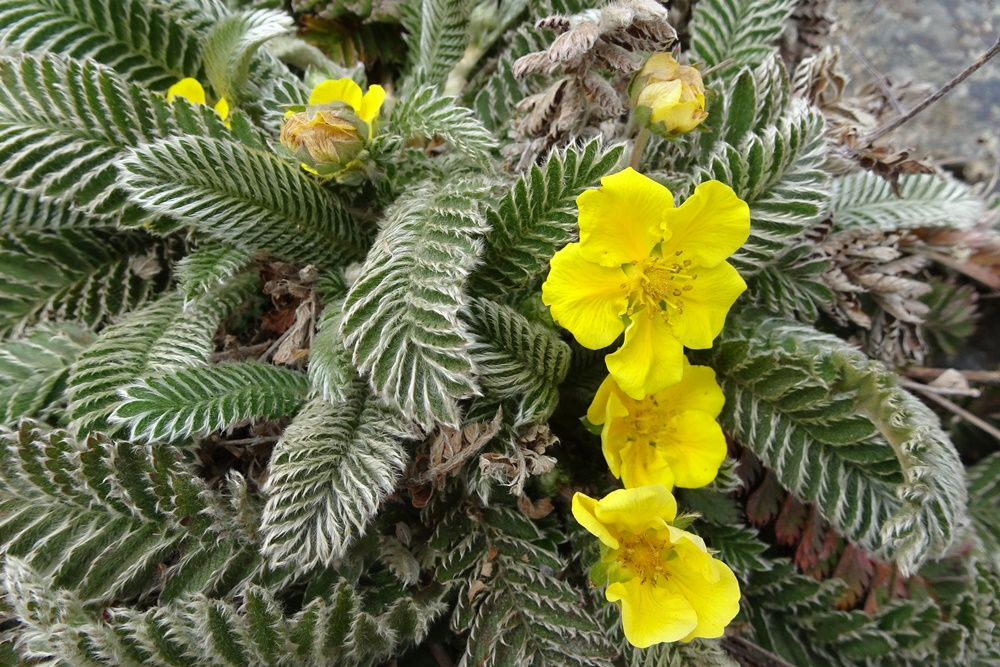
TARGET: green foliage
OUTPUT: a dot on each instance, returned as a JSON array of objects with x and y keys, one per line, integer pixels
[
  {"x": 792, "y": 286},
  {"x": 794, "y": 616},
  {"x": 233, "y": 42},
  {"x": 984, "y": 507},
  {"x": 152, "y": 43},
  {"x": 86, "y": 276},
  {"x": 64, "y": 124},
  {"x": 101, "y": 518},
  {"x": 779, "y": 173},
  {"x": 34, "y": 368},
  {"x": 952, "y": 315},
  {"x": 204, "y": 399},
  {"x": 838, "y": 432},
  {"x": 700, "y": 652},
  {"x": 160, "y": 337},
  {"x": 518, "y": 359},
  {"x": 20, "y": 211},
  {"x": 209, "y": 266},
  {"x": 331, "y": 371},
  {"x": 342, "y": 627},
  {"x": 425, "y": 113},
  {"x": 736, "y": 33},
  {"x": 257, "y": 201},
  {"x": 536, "y": 217},
  {"x": 329, "y": 474},
  {"x": 401, "y": 319},
  {"x": 131, "y": 540},
  {"x": 525, "y": 615},
  {"x": 437, "y": 36},
  {"x": 348, "y": 41},
  {"x": 863, "y": 199},
  {"x": 739, "y": 547}
]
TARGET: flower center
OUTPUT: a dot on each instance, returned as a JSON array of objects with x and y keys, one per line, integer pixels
[
  {"x": 661, "y": 283},
  {"x": 645, "y": 555},
  {"x": 648, "y": 422}
]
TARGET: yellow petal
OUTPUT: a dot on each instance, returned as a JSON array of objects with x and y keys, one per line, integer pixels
[
  {"x": 615, "y": 434},
  {"x": 643, "y": 465},
  {"x": 650, "y": 359},
  {"x": 705, "y": 307},
  {"x": 636, "y": 510},
  {"x": 695, "y": 449},
  {"x": 189, "y": 89},
  {"x": 697, "y": 390},
  {"x": 598, "y": 407},
  {"x": 715, "y": 602},
  {"x": 341, "y": 90},
  {"x": 222, "y": 108},
  {"x": 621, "y": 221},
  {"x": 584, "y": 508},
  {"x": 585, "y": 298},
  {"x": 371, "y": 104},
  {"x": 657, "y": 95},
  {"x": 709, "y": 226},
  {"x": 681, "y": 116},
  {"x": 652, "y": 614}
]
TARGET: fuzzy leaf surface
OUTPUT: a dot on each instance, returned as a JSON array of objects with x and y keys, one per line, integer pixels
[
  {"x": 347, "y": 625},
  {"x": 736, "y": 33},
  {"x": 232, "y": 43},
  {"x": 34, "y": 368},
  {"x": 87, "y": 276},
  {"x": 401, "y": 317},
  {"x": 101, "y": 517},
  {"x": 204, "y": 399},
  {"x": 427, "y": 113},
  {"x": 864, "y": 199},
  {"x": 779, "y": 173},
  {"x": 152, "y": 43},
  {"x": 160, "y": 337},
  {"x": 537, "y": 216},
  {"x": 329, "y": 473},
  {"x": 65, "y": 123},
  {"x": 243, "y": 196},
  {"x": 524, "y": 615},
  {"x": 839, "y": 432},
  {"x": 517, "y": 358}
]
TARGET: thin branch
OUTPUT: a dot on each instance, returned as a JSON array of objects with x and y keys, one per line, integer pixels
[
  {"x": 874, "y": 73},
  {"x": 931, "y": 374},
  {"x": 749, "y": 654},
  {"x": 949, "y": 405},
  {"x": 881, "y": 131}
]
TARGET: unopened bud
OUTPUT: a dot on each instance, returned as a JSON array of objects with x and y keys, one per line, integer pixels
[
  {"x": 669, "y": 98},
  {"x": 325, "y": 139}
]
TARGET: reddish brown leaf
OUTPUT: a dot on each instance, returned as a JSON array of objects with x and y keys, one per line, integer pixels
[
  {"x": 764, "y": 503},
  {"x": 856, "y": 569},
  {"x": 791, "y": 522}
]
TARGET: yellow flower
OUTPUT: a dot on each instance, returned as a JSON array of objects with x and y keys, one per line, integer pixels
[
  {"x": 662, "y": 267},
  {"x": 669, "y": 438},
  {"x": 346, "y": 92},
  {"x": 669, "y": 98},
  {"x": 193, "y": 92},
  {"x": 330, "y": 135},
  {"x": 668, "y": 585}
]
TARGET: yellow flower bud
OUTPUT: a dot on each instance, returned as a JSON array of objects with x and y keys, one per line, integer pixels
[
  {"x": 669, "y": 98},
  {"x": 325, "y": 139}
]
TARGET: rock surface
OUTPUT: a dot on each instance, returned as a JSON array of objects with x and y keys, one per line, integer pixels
[{"x": 928, "y": 42}]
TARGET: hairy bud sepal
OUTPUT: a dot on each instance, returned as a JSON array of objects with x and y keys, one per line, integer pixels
[{"x": 328, "y": 140}]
